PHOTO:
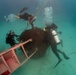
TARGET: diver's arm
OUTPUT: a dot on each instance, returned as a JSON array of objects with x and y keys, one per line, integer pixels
[
  {"x": 59, "y": 32},
  {"x": 16, "y": 35},
  {"x": 18, "y": 17}
]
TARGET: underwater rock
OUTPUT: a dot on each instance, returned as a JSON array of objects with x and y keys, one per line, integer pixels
[{"x": 38, "y": 41}]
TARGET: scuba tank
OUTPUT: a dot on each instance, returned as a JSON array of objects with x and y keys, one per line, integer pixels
[{"x": 54, "y": 33}]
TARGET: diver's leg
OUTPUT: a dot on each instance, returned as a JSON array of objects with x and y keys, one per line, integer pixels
[
  {"x": 61, "y": 42},
  {"x": 12, "y": 43},
  {"x": 59, "y": 51},
  {"x": 54, "y": 49},
  {"x": 65, "y": 56},
  {"x": 32, "y": 25},
  {"x": 31, "y": 20}
]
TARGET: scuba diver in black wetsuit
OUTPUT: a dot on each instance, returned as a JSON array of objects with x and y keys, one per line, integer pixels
[
  {"x": 53, "y": 40},
  {"x": 10, "y": 38},
  {"x": 27, "y": 17}
]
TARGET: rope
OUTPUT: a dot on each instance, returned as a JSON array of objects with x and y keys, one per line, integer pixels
[
  {"x": 39, "y": 11},
  {"x": 41, "y": 8}
]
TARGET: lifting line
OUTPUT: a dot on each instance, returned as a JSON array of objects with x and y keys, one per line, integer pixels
[
  {"x": 38, "y": 11},
  {"x": 40, "y": 8}
]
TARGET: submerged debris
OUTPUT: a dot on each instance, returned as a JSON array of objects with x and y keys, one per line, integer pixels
[{"x": 38, "y": 41}]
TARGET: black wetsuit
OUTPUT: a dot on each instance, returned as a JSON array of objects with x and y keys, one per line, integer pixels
[
  {"x": 51, "y": 41},
  {"x": 27, "y": 17},
  {"x": 10, "y": 39}
]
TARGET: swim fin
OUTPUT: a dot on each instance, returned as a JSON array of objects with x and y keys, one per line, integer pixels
[
  {"x": 57, "y": 63},
  {"x": 65, "y": 56},
  {"x": 25, "y": 8}
]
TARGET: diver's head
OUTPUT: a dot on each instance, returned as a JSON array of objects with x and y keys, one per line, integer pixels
[
  {"x": 53, "y": 26},
  {"x": 11, "y": 32},
  {"x": 48, "y": 27}
]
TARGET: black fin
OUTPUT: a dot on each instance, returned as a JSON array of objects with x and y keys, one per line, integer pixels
[
  {"x": 25, "y": 8},
  {"x": 57, "y": 63},
  {"x": 65, "y": 56}
]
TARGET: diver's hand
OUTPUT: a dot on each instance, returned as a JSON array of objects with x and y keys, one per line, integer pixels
[{"x": 59, "y": 32}]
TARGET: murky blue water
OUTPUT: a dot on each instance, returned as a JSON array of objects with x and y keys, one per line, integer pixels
[{"x": 63, "y": 15}]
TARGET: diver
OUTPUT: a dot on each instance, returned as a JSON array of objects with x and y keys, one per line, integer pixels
[
  {"x": 27, "y": 17},
  {"x": 53, "y": 40},
  {"x": 53, "y": 28},
  {"x": 10, "y": 38}
]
